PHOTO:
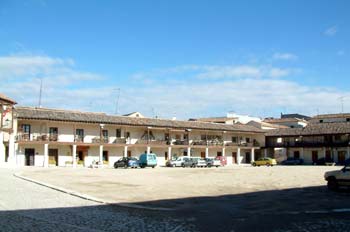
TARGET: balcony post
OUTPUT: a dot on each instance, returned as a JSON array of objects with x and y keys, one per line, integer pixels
[
  {"x": 148, "y": 149},
  {"x": 74, "y": 154},
  {"x": 169, "y": 153},
  {"x": 223, "y": 151},
  {"x": 125, "y": 151},
  {"x": 189, "y": 151},
  {"x": 302, "y": 153},
  {"x": 206, "y": 152},
  {"x": 238, "y": 158},
  {"x": 46, "y": 155},
  {"x": 101, "y": 154},
  {"x": 252, "y": 155},
  {"x": 348, "y": 152},
  {"x": 2, "y": 147}
]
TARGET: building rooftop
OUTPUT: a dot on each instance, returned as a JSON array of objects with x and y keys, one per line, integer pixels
[
  {"x": 102, "y": 118},
  {"x": 5, "y": 99},
  {"x": 342, "y": 115},
  {"x": 300, "y": 116},
  {"x": 313, "y": 129},
  {"x": 281, "y": 120}
]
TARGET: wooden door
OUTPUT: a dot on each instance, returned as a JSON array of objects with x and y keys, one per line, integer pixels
[
  {"x": 328, "y": 155},
  {"x": 314, "y": 156},
  {"x": 341, "y": 157},
  {"x": 166, "y": 155},
  {"x": 129, "y": 153},
  {"x": 234, "y": 157},
  {"x": 202, "y": 154},
  {"x": 29, "y": 154},
  {"x": 53, "y": 157},
  {"x": 105, "y": 156},
  {"x": 219, "y": 153}
]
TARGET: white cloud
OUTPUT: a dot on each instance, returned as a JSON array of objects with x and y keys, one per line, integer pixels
[
  {"x": 201, "y": 91},
  {"x": 284, "y": 56},
  {"x": 331, "y": 31}
]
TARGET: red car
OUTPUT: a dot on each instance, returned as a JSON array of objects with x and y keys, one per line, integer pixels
[{"x": 222, "y": 159}]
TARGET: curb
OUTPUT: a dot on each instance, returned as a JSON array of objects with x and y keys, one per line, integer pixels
[{"x": 87, "y": 197}]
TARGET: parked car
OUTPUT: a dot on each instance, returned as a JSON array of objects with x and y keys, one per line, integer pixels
[
  {"x": 338, "y": 178},
  {"x": 148, "y": 160},
  {"x": 324, "y": 161},
  {"x": 264, "y": 161},
  {"x": 201, "y": 163},
  {"x": 126, "y": 162},
  {"x": 213, "y": 162},
  {"x": 222, "y": 159},
  {"x": 188, "y": 162},
  {"x": 177, "y": 162},
  {"x": 292, "y": 161}
]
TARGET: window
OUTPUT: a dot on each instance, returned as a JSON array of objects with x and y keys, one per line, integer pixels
[
  {"x": 118, "y": 133},
  {"x": 127, "y": 134},
  {"x": 26, "y": 128},
  {"x": 53, "y": 131},
  {"x": 80, "y": 133},
  {"x": 185, "y": 136},
  {"x": 321, "y": 121},
  {"x": 235, "y": 139},
  {"x": 337, "y": 137},
  {"x": 348, "y": 119},
  {"x": 247, "y": 140}
]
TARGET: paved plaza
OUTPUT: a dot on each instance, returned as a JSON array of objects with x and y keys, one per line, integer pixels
[{"x": 259, "y": 199}]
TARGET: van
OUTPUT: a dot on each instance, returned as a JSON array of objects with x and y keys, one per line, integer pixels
[{"x": 148, "y": 160}]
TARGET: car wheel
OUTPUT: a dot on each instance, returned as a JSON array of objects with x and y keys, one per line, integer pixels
[
  {"x": 332, "y": 184},
  {"x": 254, "y": 164},
  {"x": 268, "y": 165}
]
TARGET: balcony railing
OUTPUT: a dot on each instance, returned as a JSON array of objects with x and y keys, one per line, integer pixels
[
  {"x": 180, "y": 142},
  {"x": 79, "y": 139},
  {"x": 120, "y": 141},
  {"x": 152, "y": 142},
  {"x": 98, "y": 140},
  {"x": 53, "y": 137},
  {"x": 199, "y": 143}
]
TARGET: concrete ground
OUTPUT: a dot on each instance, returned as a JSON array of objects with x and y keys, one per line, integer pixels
[{"x": 224, "y": 199}]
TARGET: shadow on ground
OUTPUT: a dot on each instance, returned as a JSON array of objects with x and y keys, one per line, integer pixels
[{"x": 297, "y": 209}]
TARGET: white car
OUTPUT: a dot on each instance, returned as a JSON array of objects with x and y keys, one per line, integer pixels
[
  {"x": 177, "y": 162},
  {"x": 201, "y": 163},
  {"x": 338, "y": 178}
]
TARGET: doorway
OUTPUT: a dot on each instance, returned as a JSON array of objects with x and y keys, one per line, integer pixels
[
  {"x": 29, "y": 156},
  {"x": 129, "y": 153},
  {"x": 314, "y": 156},
  {"x": 105, "y": 157},
  {"x": 7, "y": 154},
  {"x": 247, "y": 157},
  {"x": 234, "y": 157},
  {"x": 328, "y": 155},
  {"x": 202, "y": 154},
  {"x": 296, "y": 155},
  {"x": 341, "y": 157},
  {"x": 219, "y": 153},
  {"x": 53, "y": 157}
]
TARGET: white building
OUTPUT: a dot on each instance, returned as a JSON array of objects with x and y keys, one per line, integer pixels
[{"x": 45, "y": 137}]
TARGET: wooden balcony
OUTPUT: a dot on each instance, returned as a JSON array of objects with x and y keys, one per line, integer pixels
[
  {"x": 120, "y": 141},
  {"x": 152, "y": 142}
]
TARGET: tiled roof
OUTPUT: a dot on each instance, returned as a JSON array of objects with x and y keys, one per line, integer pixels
[
  {"x": 313, "y": 129},
  {"x": 321, "y": 116},
  {"x": 281, "y": 120},
  {"x": 7, "y": 99},
  {"x": 87, "y": 117}
]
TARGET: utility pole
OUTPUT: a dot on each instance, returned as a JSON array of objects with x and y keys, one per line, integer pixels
[
  {"x": 341, "y": 99},
  {"x": 117, "y": 101},
  {"x": 40, "y": 91}
]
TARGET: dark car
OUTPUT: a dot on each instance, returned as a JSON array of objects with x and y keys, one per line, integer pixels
[
  {"x": 323, "y": 161},
  {"x": 292, "y": 161},
  {"x": 126, "y": 162},
  {"x": 188, "y": 162}
]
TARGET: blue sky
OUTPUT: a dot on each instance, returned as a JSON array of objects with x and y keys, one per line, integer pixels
[{"x": 177, "y": 58}]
